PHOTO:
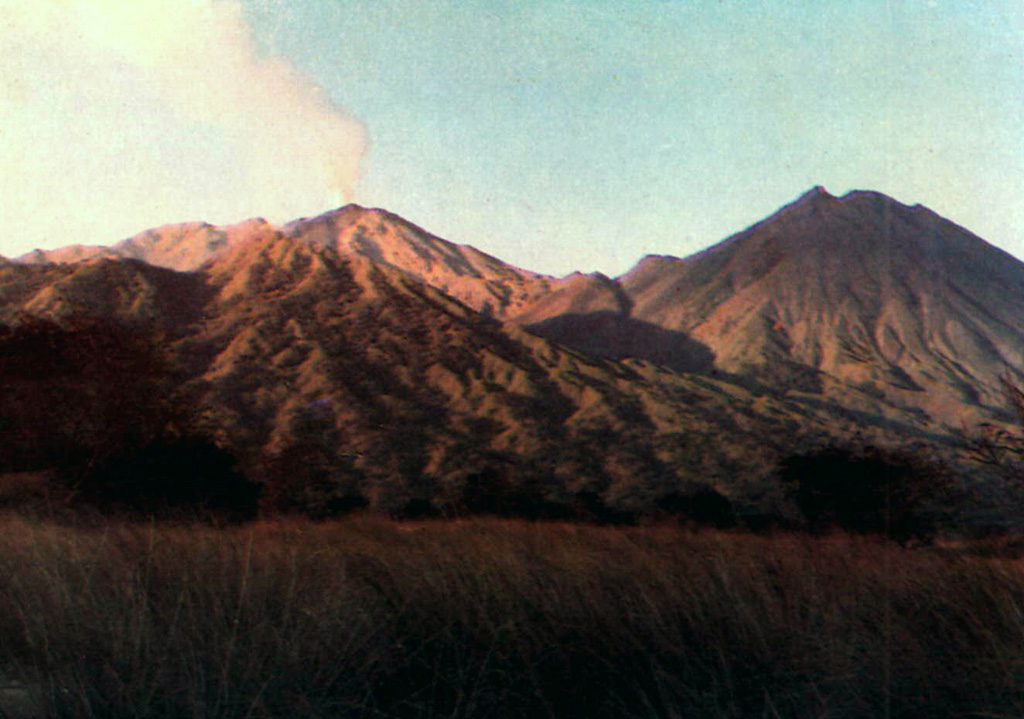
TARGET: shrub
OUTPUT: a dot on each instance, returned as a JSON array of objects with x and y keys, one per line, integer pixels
[
  {"x": 867, "y": 490},
  {"x": 171, "y": 475},
  {"x": 488, "y": 491},
  {"x": 504, "y": 491},
  {"x": 72, "y": 393},
  {"x": 705, "y": 505},
  {"x": 310, "y": 475},
  {"x": 306, "y": 479},
  {"x": 593, "y": 507}
]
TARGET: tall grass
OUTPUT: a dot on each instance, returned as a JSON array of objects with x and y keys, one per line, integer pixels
[{"x": 367, "y": 618}]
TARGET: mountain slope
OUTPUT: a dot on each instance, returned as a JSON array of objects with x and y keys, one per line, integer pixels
[
  {"x": 182, "y": 247},
  {"x": 127, "y": 292},
  {"x": 408, "y": 383},
  {"x": 593, "y": 314},
  {"x": 324, "y": 367},
  {"x": 481, "y": 281},
  {"x": 893, "y": 300},
  {"x": 355, "y": 349},
  {"x": 829, "y": 295}
]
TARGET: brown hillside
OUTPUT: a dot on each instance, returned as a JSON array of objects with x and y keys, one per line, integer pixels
[
  {"x": 360, "y": 351},
  {"x": 368, "y": 379},
  {"x": 827, "y": 296}
]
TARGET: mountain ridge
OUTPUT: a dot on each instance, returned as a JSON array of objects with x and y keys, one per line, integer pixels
[
  {"x": 839, "y": 253},
  {"x": 802, "y": 292},
  {"x": 424, "y": 363}
]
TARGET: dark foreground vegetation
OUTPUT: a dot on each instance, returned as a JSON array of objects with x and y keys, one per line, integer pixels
[{"x": 497, "y": 618}]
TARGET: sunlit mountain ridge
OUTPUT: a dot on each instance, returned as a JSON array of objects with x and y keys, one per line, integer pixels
[{"x": 423, "y": 363}]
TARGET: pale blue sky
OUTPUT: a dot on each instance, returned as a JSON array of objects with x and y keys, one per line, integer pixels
[{"x": 563, "y": 135}]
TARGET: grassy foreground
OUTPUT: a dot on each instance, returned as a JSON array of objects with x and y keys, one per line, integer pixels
[{"x": 367, "y": 618}]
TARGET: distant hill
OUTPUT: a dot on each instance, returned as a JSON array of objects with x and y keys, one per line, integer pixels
[
  {"x": 355, "y": 351},
  {"x": 830, "y": 294},
  {"x": 485, "y": 283}
]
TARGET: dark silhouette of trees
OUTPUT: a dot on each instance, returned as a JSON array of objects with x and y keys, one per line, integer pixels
[
  {"x": 75, "y": 392},
  {"x": 186, "y": 475},
  {"x": 310, "y": 476},
  {"x": 704, "y": 505},
  {"x": 868, "y": 490},
  {"x": 98, "y": 405},
  {"x": 507, "y": 491},
  {"x": 305, "y": 479}
]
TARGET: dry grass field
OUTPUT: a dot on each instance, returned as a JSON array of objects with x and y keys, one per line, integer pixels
[{"x": 487, "y": 618}]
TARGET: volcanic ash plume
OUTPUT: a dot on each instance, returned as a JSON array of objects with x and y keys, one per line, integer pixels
[
  {"x": 292, "y": 148},
  {"x": 204, "y": 54}
]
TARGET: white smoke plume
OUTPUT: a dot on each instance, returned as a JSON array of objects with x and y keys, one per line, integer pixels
[{"x": 167, "y": 102}]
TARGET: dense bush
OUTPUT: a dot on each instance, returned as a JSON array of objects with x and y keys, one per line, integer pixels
[
  {"x": 310, "y": 475},
  {"x": 96, "y": 406},
  {"x": 704, "y": 505},
  {"x": 511, "y": 491},
  {"x": 868, "y": 490},
  {"x": 72, "y": 393},
  {"x": 168, "y": 476},
  {"x": 304, "y": 479}
]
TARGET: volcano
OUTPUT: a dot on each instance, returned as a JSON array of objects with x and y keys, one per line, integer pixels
[
  {"x": 830, "y": 294},
  {"x": 372, "y": 352}
]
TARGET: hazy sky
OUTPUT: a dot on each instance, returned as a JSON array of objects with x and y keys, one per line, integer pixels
[{"x": 556, "y": 134}]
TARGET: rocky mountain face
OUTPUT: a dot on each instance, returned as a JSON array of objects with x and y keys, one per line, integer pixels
[
  {"x": 362, "y": 373},
  {"x": 355, "y": 350},
  {"x": 482, "y": 282},
  {"x": 826, "y": 296},
  {"x": 182, "y": 247}
]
